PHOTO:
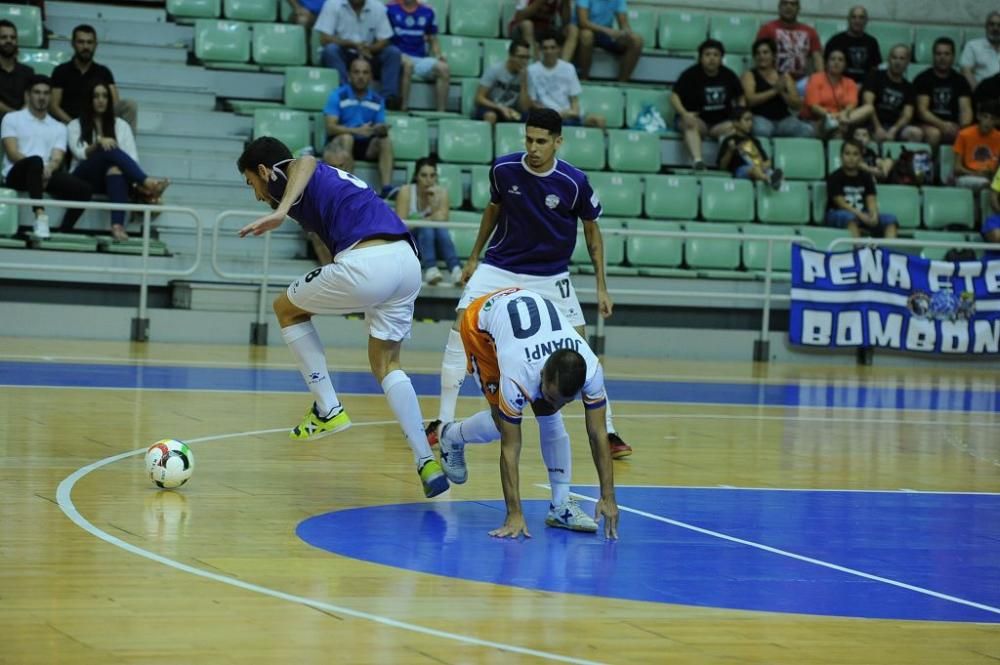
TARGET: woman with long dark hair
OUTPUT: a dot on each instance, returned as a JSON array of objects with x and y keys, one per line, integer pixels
[
  {"x": 106, "y": 156},
  {"x": 424, "y": 198}
]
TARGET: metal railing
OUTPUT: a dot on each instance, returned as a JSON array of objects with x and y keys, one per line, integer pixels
[{"x": 140, "y": 324}]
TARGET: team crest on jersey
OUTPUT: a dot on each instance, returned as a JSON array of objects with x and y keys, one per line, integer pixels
[
  {"x": 514, "y": 190},
  {"x": 421, "y": 21},
  {"x": 409, "y": 21},
  {"x": 551, "y": 201}
]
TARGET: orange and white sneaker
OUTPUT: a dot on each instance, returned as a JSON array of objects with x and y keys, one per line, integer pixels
[{"x": 619, "y": 448}]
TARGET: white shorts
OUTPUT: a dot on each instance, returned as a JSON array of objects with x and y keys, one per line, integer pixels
[
  {"x": 557, "y": 288},
  {"x": 381, "y": 280},
  {"x": 423, "y": 68}
]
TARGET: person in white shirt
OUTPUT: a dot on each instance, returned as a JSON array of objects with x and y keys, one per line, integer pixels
[
  {"x": 981, "y": 57},
  {"x": 351, "y": 28},
  {"x": 106, "y": 157},
  {"x": 34, "y": 144},
  {"x": 553, "y": 84}
]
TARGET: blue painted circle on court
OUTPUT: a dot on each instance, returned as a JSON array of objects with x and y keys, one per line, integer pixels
[{"x": 900, "y": 555}]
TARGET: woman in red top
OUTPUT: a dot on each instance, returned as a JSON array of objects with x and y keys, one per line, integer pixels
[{"x": 832, "y": 99}]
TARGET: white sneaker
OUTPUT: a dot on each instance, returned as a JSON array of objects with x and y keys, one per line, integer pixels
[
  {"x": 570, "y": 516},
  {"x": 42, "y": 227},
  {"x": 432, "y": 276},
  {"x": 456, "y": 276},
  {"x": 452, "y": 458}
]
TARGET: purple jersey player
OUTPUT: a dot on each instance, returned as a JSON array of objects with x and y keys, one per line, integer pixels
[
  {"x": 375, "y": 270},
  {"x": 530, "y": 226}
]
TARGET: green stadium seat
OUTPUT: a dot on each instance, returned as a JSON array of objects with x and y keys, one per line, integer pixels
[
  {"x": 682, "y": 31},
  {"x": 480, "y": 194},
  {"x": 818, "y": 191},
  {"x": 289, "y": 127},
  {"x": 822, "y": 236},
  {"x": 463, "y": 54},
  {"x": 643, "y": 23},
  {"x": 800, "y": 159},
  {"x": 583, "y": 147},
  {"x": 507, "y": 11},
  {"x": 409, "y": 137},
  {"x": 464, "y": 141},
  {"x": 736, "y": 62},
  {"x": 947, "y": 206},
  {"x": 946, "y": 163},
  {"x": 937, "y": 253},
  {"x": 614, "y": 246},
  {"x": 250, "y": 10},
  {"x": 308, "y": 88},
  {"x": 440, "y": 8},
  {"x": 450, "y": 177},
  {"x": 788, "y": 205},
  {"x": 464, "y": 239},
  {"x": 651, "y": 254},
  {"x": 633, "y": 151},
  {"x": 671, "y": 196},
  {"x": 755, "y": 251},
  {"x": 194, "y": 8},
  {"x": 606, "y": 101},
  {"x": 833, "y": 154},
  {"x": 903, "y": 201},
  {"x": 221, "y": 41},
  {"x": 923, "y": 41},
  {"x": 828, "y": 27},
  {"x": 509, "y": 137},
  {"x": 43, "y": 62},
  {"x": 474, "y": 18},
  {"x": 494, "y": 52},
  {"x": 636, "y": 99},
  {"x": 8, "y": 213},
  {"x": 468, "y": 87},
  {"x": 711, "y": 253},
  {"x": 727, "y": 200},
  {"x": 620, "y": 193},
  {"x": 890, "y": 34},
  {"x": 893, "y": 148},
  {"x": 28, "y": 21},
  {"x": 279, "y": 44},
  {"x": 736, "y": 31}
]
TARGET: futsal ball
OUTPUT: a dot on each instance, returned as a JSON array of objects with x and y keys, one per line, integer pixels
[{"x": 169, "y": 463}]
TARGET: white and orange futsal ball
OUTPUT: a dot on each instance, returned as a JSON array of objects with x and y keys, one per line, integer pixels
[{"x": 169, "y": 463}]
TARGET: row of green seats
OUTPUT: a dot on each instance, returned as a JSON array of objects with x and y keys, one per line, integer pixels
[{"x": 233, "y": 43}]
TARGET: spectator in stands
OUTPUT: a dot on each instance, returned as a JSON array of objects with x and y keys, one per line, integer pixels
[
  {"x": 892, "y": 97},
  {"x": 743, "y": 155},
  {"x": 34, "y": 144},
  {"x": 704, "y": 97},
  {"x": 415, "y": 32},
  {"x": 304, "y": 12},
  {"x": 860, "y": 48},
  {"x": 944, "y": 98},
  {"x": 71, "y": 80},
  {"x": 351, "y": 28},
  {"x": 106, "y": 156},
  {"x": 502, "y": 95},
  {"x": 798, "y": 43},
  {"x": 832, "y": 99},
  {"x": 851, "y": 197},
  {"x": 986, "y": 90},
  {"x": 425, "y": 199},
  {"x": 981, "y": 57},
  {"x": 534, "y": 18},
  {"x": 772, "y": 96},
  {"x": 871, "y": 163},
  {"x": 13, "y": 75},
  {"x": 991, "y": 225},
  {"x": 977, "y": 149},
  {"x": 355, "y": 125},
  {"x": 552, "y": 84},
  {"x": 597, "y": 19}
]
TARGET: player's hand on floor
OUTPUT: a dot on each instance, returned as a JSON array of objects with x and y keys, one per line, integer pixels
[
  {"x": 610, "y": 511},
  {"x": 513, "y": 527},
  {"x": 263, "y": 224}
]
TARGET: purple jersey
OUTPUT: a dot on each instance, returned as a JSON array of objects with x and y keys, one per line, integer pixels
[
  {"x": 339, "y": 207},
  {"x": 410, "y": 26},
  {"x": 536, "y": 228}
]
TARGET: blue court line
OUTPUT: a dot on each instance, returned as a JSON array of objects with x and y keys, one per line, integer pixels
[{"x": 179, "y": 377}]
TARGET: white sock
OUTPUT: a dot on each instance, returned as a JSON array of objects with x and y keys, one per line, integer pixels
[
  {"x": 304, "y": 342},
  {"x": 609, "y": 422},
  {"x": 403, "y": 402},
  {"x": 478, "y": 428},
  {"x": 557, "y": 455},
  {"x": 453, "y": 367}
]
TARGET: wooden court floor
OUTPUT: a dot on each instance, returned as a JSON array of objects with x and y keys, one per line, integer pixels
[{"x": 215, "y": 574}]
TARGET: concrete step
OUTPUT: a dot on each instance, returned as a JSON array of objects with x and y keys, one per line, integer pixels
[
  {"x": 208, "y": 166},
  {"x": 127, "y": 32},
  {"x": 170, "y": 75},
  {"x": 97, "y": 11},
  {"x": 176, "y": 141},
  {"x": 194, "y": 123},
  {"x": 194, "y": 193},
  {"x": 157, "y": 97},
  {"x": 249, "y": 85},
  {"x": 126, "y": 52}
]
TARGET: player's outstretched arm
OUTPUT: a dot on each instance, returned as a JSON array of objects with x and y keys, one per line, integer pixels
[
  {"x": 486, "y": 226},
  {"x": 601, "y": 451},
  {"x": 510, "y": 453},
  {"x": 595, "y": 247}
]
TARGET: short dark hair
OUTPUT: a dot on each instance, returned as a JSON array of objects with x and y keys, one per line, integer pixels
[
  {"x": 852, "y": 142},
  {"x": 421, "y": 163},
  {"x": 567, "y": 369},
  {"x": 38, "y": 79},
  {"x": 265, "y": 150},
  {"x": 83, "y": 27},
  {"x": 546, "y": 119},
  {"x": 4, "y": 23},
  {"x": 516, "y": 44},
  {"x": 711, "y": 43},
  {"x": 990, "y": 106},
  {"x": 947, "y": 41},
  {"x": 764, "y": 41},
  {"x": 550, "y": 34}
]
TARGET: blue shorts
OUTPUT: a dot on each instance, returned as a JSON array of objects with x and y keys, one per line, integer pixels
[
  {"x": 572, "y": 122},
  {"x": 742, "y": 171},
  {"x": 841, "y": 218},
  {"x": 603, "y": 40}
]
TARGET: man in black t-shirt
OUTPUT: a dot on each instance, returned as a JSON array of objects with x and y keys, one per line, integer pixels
[
  {"x": 703, "y": 98},
  {"x": 71, "y": 80},
  {"x": 860, "y": 48},
  {"x": 892, "y": 97},
  {"x": 851, "y": 200},
  {"x": 944, "y": 99},
  {"x": 13, "y": 75}
]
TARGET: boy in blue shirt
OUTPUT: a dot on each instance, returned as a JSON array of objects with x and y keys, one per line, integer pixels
[{"x": 415, "y": 34}]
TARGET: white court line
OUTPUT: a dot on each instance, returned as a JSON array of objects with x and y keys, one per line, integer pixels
[
  {"x": 901, "y": 490},
  {"x": 799, "y": 557},
  {"x": 65, "y": 501}
]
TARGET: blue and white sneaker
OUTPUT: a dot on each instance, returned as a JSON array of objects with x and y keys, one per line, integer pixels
[
  {"x": 452, "y": 457},
  {"x": 570, "y": 516}
]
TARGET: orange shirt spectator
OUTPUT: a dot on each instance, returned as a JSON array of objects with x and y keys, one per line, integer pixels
[
  {"x": 833, "y": 94},
  {"x": 978, "y": 152}
]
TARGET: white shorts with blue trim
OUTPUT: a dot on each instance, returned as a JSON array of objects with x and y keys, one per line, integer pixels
[{"x": 558, "y": 288}]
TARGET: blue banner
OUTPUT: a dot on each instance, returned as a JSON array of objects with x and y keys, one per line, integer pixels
[{"x": 873, "y": 297}]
